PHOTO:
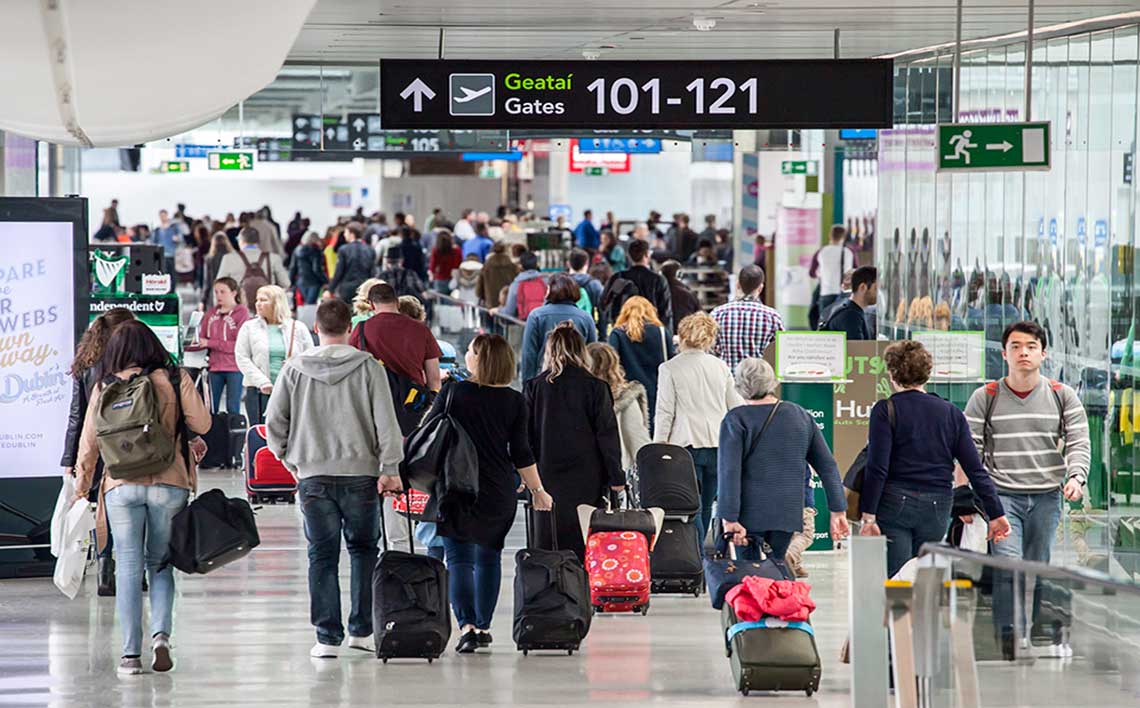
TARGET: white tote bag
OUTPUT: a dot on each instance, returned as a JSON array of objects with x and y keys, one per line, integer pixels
[
  {"x": 79, "y": 522},
  {"x": 59, "y": 516}
]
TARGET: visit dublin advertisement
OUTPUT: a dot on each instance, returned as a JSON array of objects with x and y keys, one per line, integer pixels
[{"x": 37, "y": 336}]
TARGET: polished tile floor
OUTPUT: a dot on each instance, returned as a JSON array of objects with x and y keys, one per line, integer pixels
[{"x": 241, "y": 637}]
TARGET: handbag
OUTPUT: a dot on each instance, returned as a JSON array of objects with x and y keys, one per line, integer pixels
[
  {"x": 723, "y": 571},
  {"x": 440, "y": 458},
  {"x": 211, "y": 532},
  {"x": 75, "y": 538}
]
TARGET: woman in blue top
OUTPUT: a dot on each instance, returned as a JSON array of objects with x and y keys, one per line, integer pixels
[
  {"x": 760, "y": 469},
  {"x": 908, "y": 483},
  {"x": 643, "y": 344},
  {"x": 561, "y": 298}
]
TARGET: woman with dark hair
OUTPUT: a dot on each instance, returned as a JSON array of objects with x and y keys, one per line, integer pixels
[
  {"x": 612, "y": 252},
  {"x": 574, "y": 435},
  {"x": 219, "y": 246},
  {"x": 200, "y": 240},
  {"x": 495, "y": 416},
  {"x": 445, "y": 259},
  {"x": 86, "y": 371},
  {"x": 218, "y": 336},
  {"x": 685, "y": 301},
  {"x": 307, "y": 269},
  {"x": 141, "y": 509},
  {"x": 561, "y": 306},
  {"x": 913, "y": 442}
]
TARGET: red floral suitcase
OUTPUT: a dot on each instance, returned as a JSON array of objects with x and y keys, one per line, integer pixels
[
  {"x": 266, "y": 478},
  {"x": 618, "y": 565}
]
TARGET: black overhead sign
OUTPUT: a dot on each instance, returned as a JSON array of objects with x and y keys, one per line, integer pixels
[{"x": 847, "y": 93}]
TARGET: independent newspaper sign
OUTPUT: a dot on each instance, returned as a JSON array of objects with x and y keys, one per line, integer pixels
[
  {"x": 982, "y": 147},
  {"x": 636, "y": 94}
]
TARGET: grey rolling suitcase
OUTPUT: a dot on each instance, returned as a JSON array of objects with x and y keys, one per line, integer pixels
[{"x": 771, "y": 658}]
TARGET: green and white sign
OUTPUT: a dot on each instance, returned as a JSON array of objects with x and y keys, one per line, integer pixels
[
  {"x": 159, "y": 312},
  {"x": 993, "y": 146},
  {"x": 799, "y": 167},
  {"x": 108, "y": 273},
  {"x": 175, "y": 166},
  {"x": 811, "y": 356},
  {"x": 230, "y": 160},
  {"x": 958, "y": 356},
  {"x": 595, "y": 171}
]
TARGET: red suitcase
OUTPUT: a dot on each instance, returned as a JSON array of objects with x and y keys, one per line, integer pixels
[
  {"x": 266, "y": 479},
  {"x": 618, "y": 565}
]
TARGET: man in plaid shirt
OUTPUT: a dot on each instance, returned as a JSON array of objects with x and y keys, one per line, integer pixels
[{"x": 746, "y": 326}]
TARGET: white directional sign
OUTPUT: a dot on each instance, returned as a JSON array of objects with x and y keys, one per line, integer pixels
[{"x": 417, "y": 91}]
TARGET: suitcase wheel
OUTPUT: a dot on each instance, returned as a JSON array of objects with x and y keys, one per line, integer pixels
[
  {"x": 597, "y": 609},
  {"x": 526, "y": 652},
  {"x": 744, "y": 691},
  {"x": 644, "y": 610},
  {"x": 808, "y": 691},
  {"x": 430, "y": 659},
  {"x": 384, "y": 659},
  {"x": 569, "y": 652},
  {"x": 292, "y": 498}
]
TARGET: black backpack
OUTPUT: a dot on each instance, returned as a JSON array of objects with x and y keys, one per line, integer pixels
[
  {"x": 211, "y": 532},
  {"x": 410, "y": 399},
  {"x": 617, "y": 291}
]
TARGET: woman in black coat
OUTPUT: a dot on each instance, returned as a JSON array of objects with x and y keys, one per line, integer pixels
[
  {"x": 574, "y": 435},
  {"x": 307, "y": 270}
]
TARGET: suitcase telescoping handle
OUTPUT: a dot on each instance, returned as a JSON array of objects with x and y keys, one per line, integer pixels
[
  {"x": 408, "y": 516},
  {"x": 553, "y": 525}
]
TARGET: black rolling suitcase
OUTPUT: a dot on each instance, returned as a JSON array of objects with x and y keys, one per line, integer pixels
[
  {"x": 225, "y": 441},
  {"x": 781, "y": 657},
  {"x": 668, "y": 480},
  {"x": 411, "y": 617},
  {"x": 675, "y": 563},
  {"x": 552, "y": 597}
]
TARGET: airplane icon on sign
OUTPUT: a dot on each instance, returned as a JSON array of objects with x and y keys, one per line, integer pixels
[{"x": 471, "y": 94}]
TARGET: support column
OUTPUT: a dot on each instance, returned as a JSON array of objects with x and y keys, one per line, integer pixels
[{"x": 867, "y": 609}]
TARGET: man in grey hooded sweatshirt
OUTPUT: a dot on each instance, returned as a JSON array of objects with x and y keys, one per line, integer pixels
[{"x": 331, "y": 421}]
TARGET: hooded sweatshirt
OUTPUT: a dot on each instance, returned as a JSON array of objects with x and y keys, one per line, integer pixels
[{"x": 331, "y": 414}]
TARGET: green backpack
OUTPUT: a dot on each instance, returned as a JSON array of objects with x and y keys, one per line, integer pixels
[
  {"x": 584, "y": 302},
  {"x": 128, "y": 428}
]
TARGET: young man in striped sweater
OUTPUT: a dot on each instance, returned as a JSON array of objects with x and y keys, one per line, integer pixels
[{"x": 1033, "y": 436}]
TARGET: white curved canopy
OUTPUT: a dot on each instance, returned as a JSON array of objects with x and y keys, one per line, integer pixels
[{"x": 122, "y": 72}]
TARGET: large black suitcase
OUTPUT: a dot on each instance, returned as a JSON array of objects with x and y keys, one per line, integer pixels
[
  {"x": 225, "y": 441},
  {"x": 675, "y": 563},
  {"x": 411, "y": 617},
  {"x": 771, "y": 658},
  {"x": 552, "y": 597},
  {"x": 668, "y": 479},
  {"x": 211, "y": 532}
]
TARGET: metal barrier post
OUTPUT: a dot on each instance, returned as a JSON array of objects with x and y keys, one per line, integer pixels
[
  {"x": 867, "y": 606},
  {"x": 963, "y": 604},
  {"x": 900, "y": 603}
]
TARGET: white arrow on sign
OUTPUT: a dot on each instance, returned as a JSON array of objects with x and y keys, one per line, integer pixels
[
  {"x": 418, "y": 90},
  {"x": 358, "y": 124},
  {"x": 1004, "y": 146}
]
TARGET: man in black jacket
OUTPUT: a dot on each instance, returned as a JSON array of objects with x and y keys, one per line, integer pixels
[
  {"x": 638, "y": 280},
  {"x": 850, "y": 316},
  {"x": 355, "y": 263}
]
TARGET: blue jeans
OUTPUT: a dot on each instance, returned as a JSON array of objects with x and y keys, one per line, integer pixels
[
  {"x": 333, "y": 506},
  {"x": 442, "y": 287},
  {"x": 1033, "y": 520},
  {"x": 910, "y": 518},
  {"x": 230, "y": 382},
  {"x": 140, "y": 517},
  {"x": 255, "y": 404},
  {"x": 777, "y": 540},
  {"x": 704, "y": 459},
  {"x": 474, "y": 575},
  {"x": 310, "y": 293}
]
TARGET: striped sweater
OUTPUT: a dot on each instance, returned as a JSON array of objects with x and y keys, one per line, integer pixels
[{"x": 1027, "y": 453}]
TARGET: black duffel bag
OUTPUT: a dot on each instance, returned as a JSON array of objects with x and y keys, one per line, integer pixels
[{"x": 212, "y": 531}]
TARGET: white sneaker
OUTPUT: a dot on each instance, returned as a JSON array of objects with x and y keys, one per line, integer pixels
[
  {"x": 362, "y": 643},
  {"x": 162, "y": 661},
  {"x": 323, "y": 651},
  {"x": 131, "y": 666}
]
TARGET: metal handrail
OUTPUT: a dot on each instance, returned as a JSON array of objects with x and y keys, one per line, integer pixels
[
  {"x": 449, "y": 300},
  {"x": 1016, "y": 565}
]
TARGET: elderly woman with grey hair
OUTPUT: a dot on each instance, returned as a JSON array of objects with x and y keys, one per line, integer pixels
[{"x": 764, "y": 447}]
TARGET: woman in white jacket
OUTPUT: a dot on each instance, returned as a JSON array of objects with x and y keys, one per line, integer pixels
[
  {"x": 631, "y": 405},
  {"x": 694, "y": 392},
  {"x": 263, "y": 346}
]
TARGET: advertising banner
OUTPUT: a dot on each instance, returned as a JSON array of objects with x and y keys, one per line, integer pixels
[{"x": 37, "y": 338}]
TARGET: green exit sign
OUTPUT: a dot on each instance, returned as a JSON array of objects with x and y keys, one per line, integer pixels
[
  {"x": 993, "y": 146},
  {"x": 175, "y": 166},
  {"x": 799, "y": 167},
  {"x": 230, "y": 160},
  {"x": 595, "y": 171}
]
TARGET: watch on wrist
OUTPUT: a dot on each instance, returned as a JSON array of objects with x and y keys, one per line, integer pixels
[
  {"x": 868, "y": 518},
  {"x": 537, "y": 489}
]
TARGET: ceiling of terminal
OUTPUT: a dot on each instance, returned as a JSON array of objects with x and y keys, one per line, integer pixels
[{"x": 365, "y": 30}]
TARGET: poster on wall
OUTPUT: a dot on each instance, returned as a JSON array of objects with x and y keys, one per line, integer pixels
[
  {"x": 797, "y": 238},
  {"x": 37, "y": 339}
]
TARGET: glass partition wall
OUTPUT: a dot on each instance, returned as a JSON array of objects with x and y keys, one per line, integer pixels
[{"x": 962, "y": 251}]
